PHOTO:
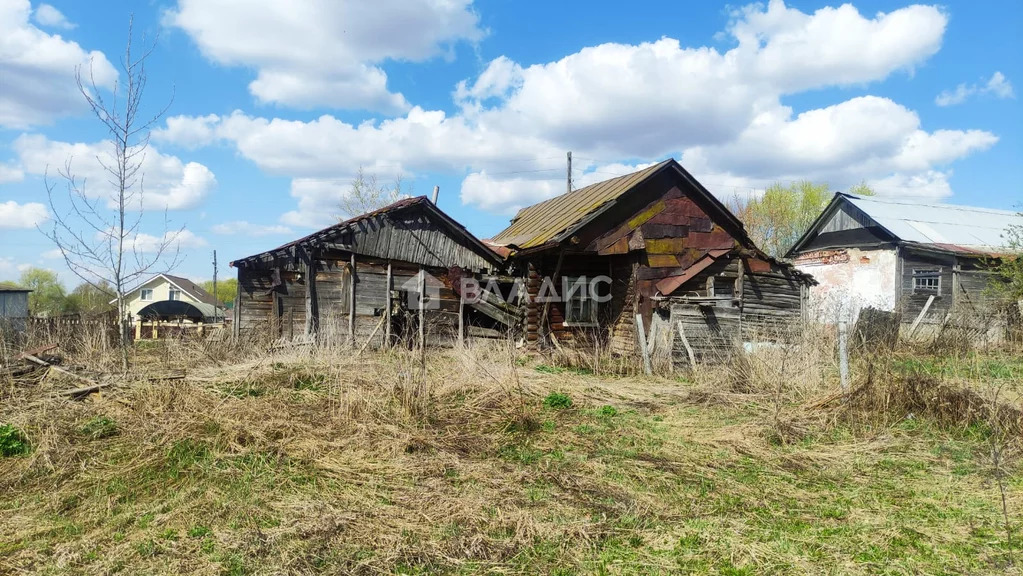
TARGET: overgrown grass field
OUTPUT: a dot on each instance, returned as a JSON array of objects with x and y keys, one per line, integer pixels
[{"x": 491, "y": 463}]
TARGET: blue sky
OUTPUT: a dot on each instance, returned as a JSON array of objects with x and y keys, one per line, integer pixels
[{"x": 276, "y": 107}]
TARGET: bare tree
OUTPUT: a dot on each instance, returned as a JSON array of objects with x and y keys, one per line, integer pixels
[
  {"x": 366, "y": 194},
  {"x": 98, "y": 232}
]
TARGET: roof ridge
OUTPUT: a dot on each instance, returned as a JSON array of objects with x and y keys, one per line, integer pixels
[
  {"x": 907, "y": 202},
  {"x": 589, "y": 186}
]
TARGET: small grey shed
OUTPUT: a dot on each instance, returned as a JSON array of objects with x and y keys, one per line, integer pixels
[{"x": 13, "y": 307}]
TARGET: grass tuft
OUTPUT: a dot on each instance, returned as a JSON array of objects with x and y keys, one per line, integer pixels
[{"x": 13, "y": 441}]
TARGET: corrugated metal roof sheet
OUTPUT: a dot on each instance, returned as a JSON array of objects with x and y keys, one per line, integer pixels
[
  {"x": 976, "y": 229},
  {"x": 540, "y": 223}
]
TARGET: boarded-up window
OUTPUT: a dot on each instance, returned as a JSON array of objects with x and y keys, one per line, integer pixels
[{"x": 724, "y": 286}]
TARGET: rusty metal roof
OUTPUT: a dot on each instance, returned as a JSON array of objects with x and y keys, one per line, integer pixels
[{"x": 541, "y": 223}]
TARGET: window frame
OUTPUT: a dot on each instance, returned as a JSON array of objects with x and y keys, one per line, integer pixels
[
  {"x": 929, "y": 274},
  {"x": 142, "y": 294},
  {"x": 171, "y": 293},
  {"x": 579, "y": 293}
]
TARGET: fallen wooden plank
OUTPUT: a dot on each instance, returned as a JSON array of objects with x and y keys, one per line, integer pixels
[
  {"x": 58, "y": 368},
  {"x": 178, "y": 375},
  {"x": 87, "y": 390},
  {"x": 647, "y": 367},
  {"x": 685, "y": 343},
  {"x": 37, "y": 351},
  {"x": 371, "y": 335},
  {"x": 923, "y": 312}
]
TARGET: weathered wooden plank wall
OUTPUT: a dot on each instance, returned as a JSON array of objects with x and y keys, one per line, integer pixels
[{"x": 912, "y": 303}]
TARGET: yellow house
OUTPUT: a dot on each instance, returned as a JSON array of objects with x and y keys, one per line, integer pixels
[{"x": 172, "y": 297}]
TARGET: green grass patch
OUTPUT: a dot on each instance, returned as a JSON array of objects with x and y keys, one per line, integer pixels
[
  {"x": 98, "y": 428},
  {"x": 557, "y": 401},
  {"x": 13, "y": 441}
]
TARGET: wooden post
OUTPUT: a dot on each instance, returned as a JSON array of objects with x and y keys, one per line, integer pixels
[
  {"x": 351, "y": 301},
  {"x": 236, "y": 312},
  {"x": 311, "y": 309},
  {"x": 955, "y": 285},
  {"x": 461, "y": 321},
  {"x": 647, "y": 367},
  {"x": 154, "y": 329},
  {"x": 422, "y": 307},
  {"x": 568, "y": 181},
  {"x": 387, "y": 306},
  {"x": 138, "y": 330},
  {"x": 843, "y": 351}
]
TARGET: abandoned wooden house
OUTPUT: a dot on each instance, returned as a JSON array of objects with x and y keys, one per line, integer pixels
[
  {"x": 920, "y": 260},
  {"x": 679, "y": 263},
  {"x": 361, "y": 280}
]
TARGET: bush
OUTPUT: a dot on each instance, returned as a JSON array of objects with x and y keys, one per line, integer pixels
[
  {"x": 99, "y": 427},
  {"x": 12, "y": 441},
  {"x": 557, "y": 401}
]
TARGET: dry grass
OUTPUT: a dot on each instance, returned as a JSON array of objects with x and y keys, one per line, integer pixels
[{"x": 333, "y": 462}]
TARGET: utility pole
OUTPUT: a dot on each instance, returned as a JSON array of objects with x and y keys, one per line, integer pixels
[
  {"x": 569, "y": 179},
  {"x": 216, "y": 302}
]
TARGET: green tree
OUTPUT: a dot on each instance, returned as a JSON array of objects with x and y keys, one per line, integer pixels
[
  {"x": 861, "y": 189},
  {"x": 48, "y": 297},
  {"x": 778, "y": 218},
  {"x": 1010, "y": 266},
  {"x": 91, "y": 300},
  {"x": 226, "y": 289}
]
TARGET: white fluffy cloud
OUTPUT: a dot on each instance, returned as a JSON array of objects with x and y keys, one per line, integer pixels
[
  {"x": 169, "y": 183},
  {"x": 28, "y": 215},
  {"x": 997, "y": 86},
  {"x": 10, "y": 172},
  {"x": 177, "y": 240},
  {"x": 846, "y": 142},
  {"x": 508, "y": 195},
  {"x": 248, "y": 229},
  {"x": 47, "y": 15},
  {"x": 612, "y": 103},
  {"x": 38, "y": 69},
  {"x": 323, "y": 52},
  {"x": 188, "y": 131}
]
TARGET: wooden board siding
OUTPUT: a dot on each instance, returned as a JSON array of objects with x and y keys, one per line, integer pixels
[
  {"x": 725, "y": 305},
  {"x": 257, "y": 310},
  {"x": 912, "y": 303},
  {"x": 712, "y": 332},
  {"x": 657, "y": 232},
  {"x": 281, "y": 311},
  {"x": 409, "y": 236}
]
